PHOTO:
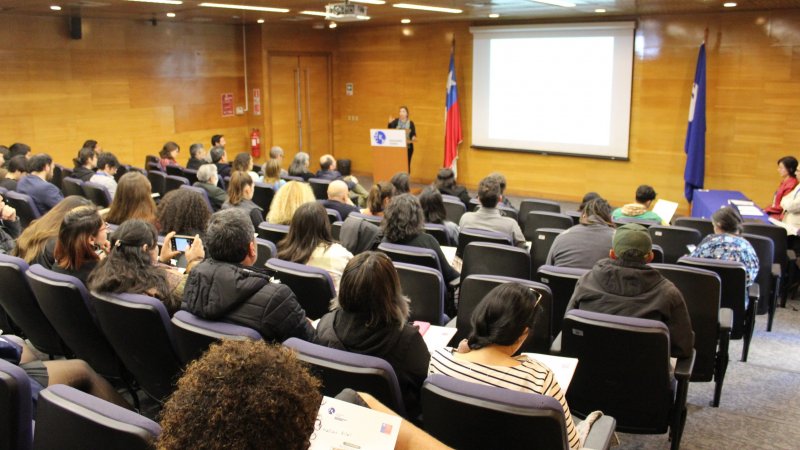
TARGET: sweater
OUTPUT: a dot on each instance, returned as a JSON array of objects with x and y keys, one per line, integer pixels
[{"x": 581, "y": 246}]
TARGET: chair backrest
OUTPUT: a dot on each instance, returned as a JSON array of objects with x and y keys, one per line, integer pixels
[
  {"x": 292, "y": 178},
  {"x": 16, "y": 417},
  {"x": 439, "y": 232},
  {"x": 453, "y": 208},
  {"x": 320, "y": 187},
  {"x": 190, "y": 174},
  {"x": 24, "y": 205},
  {"x": 173, "y": 182},
  {"x": 674, "y": 241},
  {"x": 336, "y": 230},
  {"x": 370, "y": 218},
  {"x": 312, "y": 286},
  {"x": 658, "y": 254},
  {"x": 339, "y": 370},
  {"x": 18, "y": 301},
  {"x": 561, "y": 281},
  {"x": 576, "y": 216},
  {"x": 643, "y": 222},
  {"x": 475, "y": 287},
  {"x": 193, "y": 335},
  {"x": 426, "y": 289},
  {"x": 122, "y": 169},
  {"x": 701, "y": 291},
  {"x": 72, "y": 186},
  {"x": 704, "y": 226},
  {"x": 778, "y": 236},
  {"x": 65, "y": 302},
  {"x": 544, "y": 219},
  {"x": 97, "y": 193},
  {"x": 138, "y": 328},
  {"x": 765, "y": 249},
  {"x": 467, "y": 235},
  {"x": 68, "y": 418},
  {"x": 542, "y": 240},
  {"x": 151, "y": 159},
  {"x": 409, "y": 254},
  {"x": 734, "y": 290},
  {"x": 534, "y": 204},
  {"x": 266, "y": 250},
  {"x": 58, "y": 175},
  {"x": 488, "y": 258},
  {"x": 262, "y": 196},
  {"x": 153, "y": 166},
  {"x": 333, "y": 215},
  {"x": 202, "y": 193},
  {"x": 174, "y": 169},
  {"x": 158, "y": 181},
  {"x": 471, "y": 416},
  {"x": 272, "y": 232},
  {"x": 624, "y": 369}
]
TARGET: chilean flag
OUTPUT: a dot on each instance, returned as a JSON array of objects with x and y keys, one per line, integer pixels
[{"x": 452, "y": 127}]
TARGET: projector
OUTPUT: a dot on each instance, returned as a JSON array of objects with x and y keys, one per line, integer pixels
[{"x": 346, "y": 12}]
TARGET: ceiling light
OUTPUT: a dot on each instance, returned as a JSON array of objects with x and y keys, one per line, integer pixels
[
  {"x": 363, "y": 17},
  {"x": 562, "y": 3},
  {"x": 55, "y": 8},
  {"x": 369, "y": 2},
  {"x": 244, "y": 7},
  {"x": 163, "y": 2},
  {"x": 315, "y": 13},
  {"x": 494, "y": 15},
  {"x": 260, "y": 20},
  {"x": 729, "y": 4},
  {"x": 405, "y": 21},
  {"x": 599, "y": 10},
  {"x": 170, "y": 14},
  {"x": 332, "y": 25},
  {"x": 427, "y": 8}
]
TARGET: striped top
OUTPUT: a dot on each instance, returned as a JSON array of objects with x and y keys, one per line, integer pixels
[{"x": 529, "y": 376}]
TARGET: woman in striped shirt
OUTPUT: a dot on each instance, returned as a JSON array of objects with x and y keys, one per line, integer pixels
[{"x": 500, "y": 325}]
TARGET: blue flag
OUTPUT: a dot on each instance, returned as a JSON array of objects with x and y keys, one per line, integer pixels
[{"x": 695, "y": 146}]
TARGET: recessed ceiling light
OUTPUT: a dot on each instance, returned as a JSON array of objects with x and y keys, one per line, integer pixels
[
  {"x": 170, "y": 14},
  {"x": 260, "y": 20},
  {"x": 405, "y": 21},
  {"x": 600, "y": 10},
  {"x": 163, "y": 2},
  {"x": 427, "y": 8},
  {"x": 561, "y": 3},
  {"x": 494, "y": 15},
  {"x": 244, "y": 7},
  {"x": 55, "y": 8},
  {"x": 729, "y": 4},
  {"x": 332, "y": 25}
]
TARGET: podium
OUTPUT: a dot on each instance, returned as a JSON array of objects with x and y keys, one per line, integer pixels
[{"x": 389, "y": 153}]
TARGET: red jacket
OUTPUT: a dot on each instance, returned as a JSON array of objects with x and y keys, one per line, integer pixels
[{"x": 786, "y": 186}]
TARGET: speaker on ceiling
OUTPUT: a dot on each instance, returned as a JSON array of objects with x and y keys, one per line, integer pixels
[{"x": 75, "y": 27}]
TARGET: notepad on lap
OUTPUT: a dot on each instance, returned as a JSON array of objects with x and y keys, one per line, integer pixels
[
  {"x": 342, "y": 425},
  {"x": 563, "y": 368},
  {"x": 435, "y": 336},
  {"x": 665, "y": 209}
]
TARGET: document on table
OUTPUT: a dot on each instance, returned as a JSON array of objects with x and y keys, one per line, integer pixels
[
  {"x": 749, "y": 210},
  {"x": 341, "y": 425},
  {"x": 563, "y": 368},
  {"x": 665, "y": 209},
  {"x": 435, "y": 337},
  {"x": 741, "y": 202}
]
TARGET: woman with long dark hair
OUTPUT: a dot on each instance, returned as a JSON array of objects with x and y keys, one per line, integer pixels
[
  {"x": 37, "y": 243},
  {"x": 82, "y": 243},
  {"x": 433, "y": 209}
]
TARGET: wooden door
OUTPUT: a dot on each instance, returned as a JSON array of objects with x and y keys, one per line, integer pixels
[{"x": 283, "y": 94}]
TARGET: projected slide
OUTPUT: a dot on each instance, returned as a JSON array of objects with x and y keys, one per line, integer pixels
[{"x": 563, "y": 89}]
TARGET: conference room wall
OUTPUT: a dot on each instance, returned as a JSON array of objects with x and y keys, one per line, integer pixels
[
  {"x": 128, "y": 84},
  {"x": 753, "y": 98}
]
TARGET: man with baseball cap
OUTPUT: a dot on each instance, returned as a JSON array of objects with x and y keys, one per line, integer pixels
[{"x": 625, "y": 285}]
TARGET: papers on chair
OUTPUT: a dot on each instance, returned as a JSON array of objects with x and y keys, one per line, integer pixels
[
  {"x": 790, "y": 230},
  {"x": 435, "y": 337},
  {"x": 342, "y": 425},
  {"x": 749, "y": 210},
  {"x": 665, "y": 209},
  {"x": 563, "y": 368}
]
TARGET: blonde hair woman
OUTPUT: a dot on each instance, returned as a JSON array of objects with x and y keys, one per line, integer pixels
[{"x": 286, "y": 201}]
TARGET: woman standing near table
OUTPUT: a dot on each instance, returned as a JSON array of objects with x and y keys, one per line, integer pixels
[
  {"x": 787, "y": 166},
  {"x": 404, "y": 123}
]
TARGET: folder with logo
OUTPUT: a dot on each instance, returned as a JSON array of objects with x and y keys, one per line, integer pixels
[{"x": 342, "y": 425}]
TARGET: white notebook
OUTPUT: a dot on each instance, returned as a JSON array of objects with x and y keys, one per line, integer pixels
[{"x": 342, "y": 425}]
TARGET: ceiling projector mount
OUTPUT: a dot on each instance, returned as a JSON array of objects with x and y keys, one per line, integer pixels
[{"x": 346, "y": 12}]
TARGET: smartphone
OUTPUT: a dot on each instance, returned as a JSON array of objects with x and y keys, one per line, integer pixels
[{"x": 181, "y": 243}]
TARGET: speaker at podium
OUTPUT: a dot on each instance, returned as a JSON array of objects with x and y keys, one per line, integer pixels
[{"x": 389, "y": 153}]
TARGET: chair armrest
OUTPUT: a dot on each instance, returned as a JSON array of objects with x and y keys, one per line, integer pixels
[
  {"x": 754, "y": 292},
  {"x": 599, "y": 437},
  {"x": 684, "y": 366},
  {"x": 776, "y": 271},
  {"x": 725, "y": 319},
  {"x": 555, "y": 347}
]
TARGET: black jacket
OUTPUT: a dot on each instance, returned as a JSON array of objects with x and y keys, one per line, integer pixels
[
  {"x": 82, "y": 173},
  {"x": 195, "y": 163},
  {"x": 9, "y": 232},
  {"x": 460, "y": 192},
  {"x": 240, "y": 295}
]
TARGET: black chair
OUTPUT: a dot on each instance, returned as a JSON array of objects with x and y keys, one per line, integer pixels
[
  {"x": 25, "y": 207},
  {"x": 561, "y": 281},
  {"x": 426, "y": 289},
  {"x": 72, "y": 186},
  {"x": 467, "y": 235},
  {"x": 735, "y": 296},
  {"x": 439, "y": 232},
  {"x": 658, "y": 254},
  {"x": 784, "y": 257},
  {"x": 191, "y": 175},
  {"x": 272, "y": 232},
  {"x": 544, "y": 219},
  {"x": 262, "y": 196},
  {"x": 620, "y": 221},
  {"x": 58, "y": 175},
  {"x": 534, "y": 204},
  {"x": 475, "y": 287},
  {"x": 704, "y": 226},
  {"x": 453, "y": 208},
  {"x": 97, "y": 193},
  {"x": 176, "y": 170},
  {"x": 154, "y": 166},
  {"x": 202, "y": 192},
  {"x": 409, "y": 254},
  {"x": 624, "y": 371},
  {"x": 172, "y": 182},
  {"x": 312, "y": 286},
  {"x": 333, "y": 215},
  {"x": 701, "y": 290},
  {"x": 152, "y": 159},
  {"x": 339, "y": 370},
  {"x": 487, "y": 258},
  {"x": 372, "y": 219},
  {"x": 471, "y": 416},
  {"x": 16, "y": 417},
  {"x": 122, "y": 169},
  {"x": 575, "y": 215},
  {"x": 193, "y": 335},
  {"x": 266, "y": 250},
  {"x": 674, "y": 241},
  {"x": 18, "y": 301},
  {"x": 320, "y": 187},
  {"x": 769, "y": 276},
  {"x": 336, "y": 230},
  {"x": 540, "y": 246},
  {"x": 139, "y": 330},
  {"x": 158, "y": 182}
]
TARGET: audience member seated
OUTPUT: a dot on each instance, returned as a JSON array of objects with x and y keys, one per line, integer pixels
[
  {"x": 380, "y": 195},
  {"x": 276, "y": 153},
  {"x": 589, "y": 196},
  {"x": 310, "y": 242},
  {"x": 488, "y": 217},
  {"x": 36, "y": 183},
  {"x": 16, "y": 168},
  {"x": 107, "y": 165},
  {"x": 72, "y": 372},
  {"x": 240, "y": 196},
  {"x": 243, "y": 162},
  {"x": 370, "y": 317},
  {"x": 645, "y": 195},
  {"x": 10, "y": 227},
  {"x": 404, "y": 224},
  {"x": 339, "y": 199},
  {"x": 501, "y": 180},
  {"x": 300, "y": 166},
  {"x": 197, "y": 156},
  {"x": 169, "y": 155},
  {"x": 287, "y": 200},
  {"x": 625, "y": 285},
  {"x": 500, "y": 325},
  {"x": 727, "y": 244},
  {"x": 225, "y": 287},
  {"x": 82, "y": 243},
  {"x": 327, "y": 171},
  {"x": 446, "y": 184},
  {"x": 85, "y": 164},
  {"x": 584, "y": 244},
  {"x": 37, "y": 243},
  {"x": 787, "y": 168},
  {"x": 433, "y": 209},
  {"x": 218, "y": 140},
  {"x": 130, "y": 266},
  {"x": 133, "y": 200},
  {"x": 400, "y": 183},
  {"x": 790, "y": 203},
  {"x": 184, "y": 212},
  {"x": 19, "y": 149},
  {"x": 92, "y": 144},
  {"x": 272, "y": 174},
  {"x": 220, "y": 159},
  {"x": 208, "y": 180}
]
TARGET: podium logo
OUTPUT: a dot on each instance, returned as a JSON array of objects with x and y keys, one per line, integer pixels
[{"x": 380, "y": 137}]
